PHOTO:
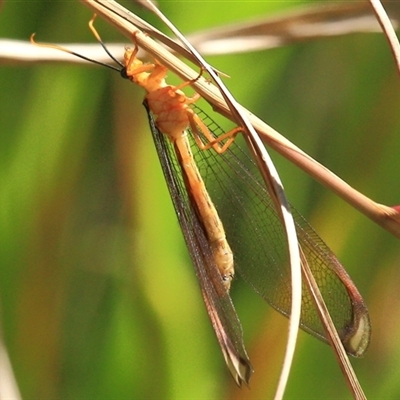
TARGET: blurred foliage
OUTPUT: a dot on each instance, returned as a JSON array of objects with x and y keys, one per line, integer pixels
[{"x": 98, "y": 296}]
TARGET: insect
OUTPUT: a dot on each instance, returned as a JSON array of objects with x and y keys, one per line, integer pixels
[{"x": 236, "y": 227}]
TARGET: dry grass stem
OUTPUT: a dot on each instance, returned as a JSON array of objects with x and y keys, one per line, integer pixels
[{"x": 388, "y": 30}]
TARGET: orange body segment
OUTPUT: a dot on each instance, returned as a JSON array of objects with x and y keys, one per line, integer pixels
[{"x": 173, "y": 117}]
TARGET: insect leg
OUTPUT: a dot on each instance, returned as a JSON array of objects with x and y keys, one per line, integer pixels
[{"x": 199, "y": 129}]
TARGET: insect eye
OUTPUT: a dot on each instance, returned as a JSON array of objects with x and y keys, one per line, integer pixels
[{"x": 124, "y": 73}]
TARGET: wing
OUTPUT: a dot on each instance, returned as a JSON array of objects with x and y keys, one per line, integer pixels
[
  {"x": 216, "y": 297},
  {"x": 255, "y": 234}
]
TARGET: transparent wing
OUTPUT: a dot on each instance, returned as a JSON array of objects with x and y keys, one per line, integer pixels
[
  {"x": 255, "y": 234},
  {"x": 216, "y": 297}
]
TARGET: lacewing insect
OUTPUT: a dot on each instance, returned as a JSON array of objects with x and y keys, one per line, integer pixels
[{"x": 229, "y": 221}]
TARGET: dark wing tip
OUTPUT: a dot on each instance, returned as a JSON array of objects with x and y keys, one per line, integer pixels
[{"x": 357, "y": 342}]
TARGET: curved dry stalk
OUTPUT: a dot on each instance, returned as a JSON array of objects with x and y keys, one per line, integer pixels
[
  {"x": 385, "y": 216},
  {"x": 276, "y": 191},
  {"x": 388, "y": 30}
]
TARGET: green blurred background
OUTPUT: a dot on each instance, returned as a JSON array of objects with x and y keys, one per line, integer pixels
[{"x": 98, "y": 296}]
